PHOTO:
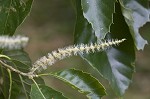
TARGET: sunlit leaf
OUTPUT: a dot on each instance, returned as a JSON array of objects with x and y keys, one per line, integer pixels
[
  {"x": 116, "y": 63},
  {"x": 48, "y": 93},
  {"x": 136, "y": 14},
  {"x": 83, "y": 82},
  {"x": 99, "y": 14},
  {"x": 83, "y": 30}
]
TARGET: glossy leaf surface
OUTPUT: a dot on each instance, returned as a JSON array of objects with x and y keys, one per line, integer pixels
[
  {"x": 99, "y": 15},
  {"x": 47, "y": 93},
  {"x": 116, "y": 63},
  {"x": 136, "y": 14},
  {"x": 83, "y": 82}
]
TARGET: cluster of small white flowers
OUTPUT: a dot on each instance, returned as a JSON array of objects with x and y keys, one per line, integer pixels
[
  {"x": 62, "y": 53},
  {"x": 13, "y": 42}
]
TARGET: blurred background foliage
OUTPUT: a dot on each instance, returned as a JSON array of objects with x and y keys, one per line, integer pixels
[{"x": 50, "y": 25}]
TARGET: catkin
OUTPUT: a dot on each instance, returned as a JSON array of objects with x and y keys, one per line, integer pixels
[
  {"x": 13, "y": 42},
  {"x": 62, "y": 53}
]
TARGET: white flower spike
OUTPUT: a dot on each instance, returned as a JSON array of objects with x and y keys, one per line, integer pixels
[
  {"x": 13, "y": 42},
  {"x": 62, "y": 53}
]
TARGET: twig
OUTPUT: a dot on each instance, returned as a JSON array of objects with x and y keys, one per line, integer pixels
[{"x": 30, "y": 75}]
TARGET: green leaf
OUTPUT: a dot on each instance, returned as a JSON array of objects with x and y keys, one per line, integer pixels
[
  {"x": 83, "y": 82},
  {"x": 136, "y": 14},
  {"x": 12, "y": 14},
  {"x": 26, "y": 85},
  {"x": 21, "y": 61},
  {"x": 83, "y": 30},
  {"x": 21, "y": 86},
  {"x": 116, "y": 63},
  {"x": 20, "y": 58},
  {"x": 99, "y": 14},
  {"x": 48, "y": 93},
  {"x": 16, "y": 89},
  {"x": 7, "y": 84}
]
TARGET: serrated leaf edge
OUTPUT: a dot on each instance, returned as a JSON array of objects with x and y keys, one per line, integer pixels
[{"x": 74, "y": 86}]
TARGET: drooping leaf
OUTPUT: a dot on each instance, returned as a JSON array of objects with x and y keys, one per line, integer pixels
[
  {"x": 48, "y": 93},
  {"x": 16, "y": 89},
  {"x": 21, "y": 85},
  {"x": 116, "y": 63},
  {"x": 136, "y": 14},
  {"x": 99, "y": 14},
  {"x": 83, "y": 82},
  {"x": 12, "y": 14},
  {"x": 20, "y": 58},
  {"x": 21, "y": 61},
  {"x": 83, "y": 30},
  {"x": 5, "y": 86}
]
